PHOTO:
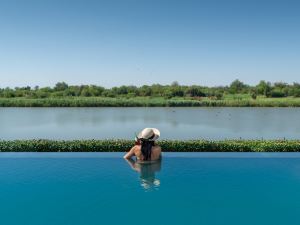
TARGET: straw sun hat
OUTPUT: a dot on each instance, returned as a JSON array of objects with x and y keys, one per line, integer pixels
[{"x": 150, "y": 134}]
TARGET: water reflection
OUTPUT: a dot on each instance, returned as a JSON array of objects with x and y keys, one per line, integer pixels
[{"x": 147, "y": 172}]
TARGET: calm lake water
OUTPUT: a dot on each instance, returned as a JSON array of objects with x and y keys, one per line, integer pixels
[
  {"x": 174, "y": 123},
  {"x": 192, "y": 188}
]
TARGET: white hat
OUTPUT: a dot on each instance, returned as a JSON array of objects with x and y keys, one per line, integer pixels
[{"x": 150, "y": 134}]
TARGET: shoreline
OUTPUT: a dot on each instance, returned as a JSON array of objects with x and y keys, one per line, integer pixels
[{"x": 146, "y": 102}]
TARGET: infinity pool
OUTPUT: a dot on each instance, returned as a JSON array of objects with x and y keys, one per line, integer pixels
[{"x": 189, "y": 188}]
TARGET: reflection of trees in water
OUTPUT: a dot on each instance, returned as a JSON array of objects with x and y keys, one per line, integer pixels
[{"x": 147, "y": 172}]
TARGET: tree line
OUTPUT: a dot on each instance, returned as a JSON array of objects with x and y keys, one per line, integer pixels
[{"x": 62, "y": 89}]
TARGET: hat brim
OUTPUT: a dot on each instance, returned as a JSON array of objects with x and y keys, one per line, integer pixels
[{"x": 156, "y": 135}]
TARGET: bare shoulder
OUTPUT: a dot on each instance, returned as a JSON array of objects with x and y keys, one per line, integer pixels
[
  {"x": 136, "y": 148},
  {"x": 157, "y": 148},
  {"x": 156, "y": 152},
  {"x": 156, "y": 145}
]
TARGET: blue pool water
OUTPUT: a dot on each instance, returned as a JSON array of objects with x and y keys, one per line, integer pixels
[{"x": 189, "y": 188}]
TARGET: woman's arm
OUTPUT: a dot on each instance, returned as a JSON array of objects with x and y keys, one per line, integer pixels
[
  {"x": 132, "y": 164},
  {"x": 130, "y": 153}
]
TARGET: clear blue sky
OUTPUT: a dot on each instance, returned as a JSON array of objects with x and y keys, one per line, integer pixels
[{"x": 111, "y": 43}]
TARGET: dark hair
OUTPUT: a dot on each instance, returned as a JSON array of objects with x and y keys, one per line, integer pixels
[{"x": 146, "y": 147}]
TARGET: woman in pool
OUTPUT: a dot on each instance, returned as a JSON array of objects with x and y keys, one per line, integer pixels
[{"x": 145, "y": 148}]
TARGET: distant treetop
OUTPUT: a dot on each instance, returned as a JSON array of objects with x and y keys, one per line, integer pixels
[{"x": 62, "y": 89}]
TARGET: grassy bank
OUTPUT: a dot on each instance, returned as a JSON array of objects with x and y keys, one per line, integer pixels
[
  {"x": 167, "y": 146},
  {"x": 148, "y": 102}
]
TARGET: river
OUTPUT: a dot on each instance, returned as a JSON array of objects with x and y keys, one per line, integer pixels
[{"x": 174, "y": 123}]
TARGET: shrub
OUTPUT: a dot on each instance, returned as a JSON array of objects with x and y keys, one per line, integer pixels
[
  {"x": 167, "y": 146},
  {"x": 277, "y": 94},
  {"x": 253, "y": 95},
  {"x": 297, "y": 93}
]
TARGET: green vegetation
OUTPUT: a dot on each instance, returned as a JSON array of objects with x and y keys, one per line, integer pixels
[
  {"x": 237, "y": 94},
  {"x": 61, "y": 89},
  {"x": 167, "y": 146},
  {"x": 228, "y": 101}
]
